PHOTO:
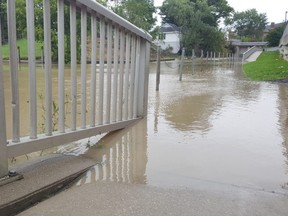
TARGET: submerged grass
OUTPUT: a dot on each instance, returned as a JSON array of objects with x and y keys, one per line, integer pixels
[{"x": 269, "y": 66}]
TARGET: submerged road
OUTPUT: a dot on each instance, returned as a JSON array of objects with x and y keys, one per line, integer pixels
[{"x": 213, "y": 144}]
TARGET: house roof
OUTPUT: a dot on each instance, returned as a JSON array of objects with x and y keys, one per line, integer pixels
[
  {"x": 284, "y": 39},
  {"x": 169, "y": 27},
  {"x": 272, "y": 26}
]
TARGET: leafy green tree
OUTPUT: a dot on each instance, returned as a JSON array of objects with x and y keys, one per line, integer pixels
[
  {"x": 248, "y": 24},
  {"x": 138, "y": 12},
  {"x": 274, "y": 36},
  {"x": 3, "y": 20},
  {"x": 198, "y": 21}
]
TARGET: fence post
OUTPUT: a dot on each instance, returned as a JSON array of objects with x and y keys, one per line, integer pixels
[
  {"x": 193, "y": 54},
  {"x": 3, "y": 144},
  {"x": 181, "y": 64},
  {"x": 158, "y": 69},
  {"x": 19, "y": 54}
]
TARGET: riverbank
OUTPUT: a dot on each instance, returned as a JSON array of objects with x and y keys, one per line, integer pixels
[{"x": 268, "y": 67}]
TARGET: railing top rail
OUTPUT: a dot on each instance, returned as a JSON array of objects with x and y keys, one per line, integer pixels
[{"x": 92, "y": 5}]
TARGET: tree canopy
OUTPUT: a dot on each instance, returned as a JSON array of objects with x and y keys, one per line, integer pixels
[
  {"x": 138, "y": 12},
  {"x": 248, "y": 24},
  {"x": 274, "y": 36},
  {"x": 198, "y": 21}
]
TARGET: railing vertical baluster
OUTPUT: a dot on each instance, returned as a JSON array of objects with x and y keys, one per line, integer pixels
[
  {"x": 115, "y": 73},
  {"x": 137, "y": 71},
  {"x": 127, "y": 70},
  {"x": 73, "y": 56},
  {"x": 127, "y": 99},
  {"x": 3, "y": 138},
  {"x": 32, "y": 68},
  {"x": 132, "y": 78},
  {"x": 93, "y": 68},
  {"x": 109, "y": 67},
  {"x": 143, "y": 78},
  {"x": 13, "y": 69},
  {"x": 48, "y": 65},
  {"x": 120, "y": 100},
  {"x": 83, "y": 65},
  {"x": 61, "y": 67},
  {"x": 101, "y": 75}
]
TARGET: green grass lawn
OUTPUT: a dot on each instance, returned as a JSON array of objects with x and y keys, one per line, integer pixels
[
  {"x": 269, "y": 66},
  {"x": 23, "y": 49}
]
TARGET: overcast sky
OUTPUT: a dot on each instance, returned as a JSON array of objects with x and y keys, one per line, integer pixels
[{"x": 274, "y": 9}]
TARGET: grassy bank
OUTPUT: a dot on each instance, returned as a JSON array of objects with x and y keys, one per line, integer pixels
[
  {"x": 23, "y": 49},
  {"x": 269, "y": 66}
]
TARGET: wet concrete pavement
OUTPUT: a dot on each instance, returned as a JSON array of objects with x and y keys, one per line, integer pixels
[
  {"x": 213, "y": 144},
  {"x": 41, "y": 178},
  {"x": 106, "y": 198}
]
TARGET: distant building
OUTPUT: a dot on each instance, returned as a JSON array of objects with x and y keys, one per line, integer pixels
[
  {"x": 284, "y": 44},
  {"x": 169, "y": 37},
  {"x": 271, "y": 27}
]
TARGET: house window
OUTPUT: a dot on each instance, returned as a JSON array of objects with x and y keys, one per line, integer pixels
[{"x": 162, "y": 36}]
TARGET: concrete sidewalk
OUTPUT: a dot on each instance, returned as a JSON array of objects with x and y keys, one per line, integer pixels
[
  {"x": 254, "y": 56},
  {"x": 112, "y": 198},
  {"x": 42, "y": 177}
]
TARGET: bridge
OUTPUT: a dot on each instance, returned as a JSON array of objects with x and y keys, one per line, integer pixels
[
  {"x": 246, "y": 49},
  {"x": 114, "y": 97}
]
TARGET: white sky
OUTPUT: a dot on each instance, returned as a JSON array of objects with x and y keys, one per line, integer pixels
[{"x": 274, "y": 9}]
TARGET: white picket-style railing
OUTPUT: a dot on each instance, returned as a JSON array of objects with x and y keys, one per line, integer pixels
[{"x": 115, "y": 97}]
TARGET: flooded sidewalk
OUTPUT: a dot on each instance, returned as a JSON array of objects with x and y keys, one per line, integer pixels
[{"x": 213, "y": 144}]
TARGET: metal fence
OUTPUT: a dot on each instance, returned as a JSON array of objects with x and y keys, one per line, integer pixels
[
  {"x": 114, "y": 95},
  {"x": 249, "y": 52}
]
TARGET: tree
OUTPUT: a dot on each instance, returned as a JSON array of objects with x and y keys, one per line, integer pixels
[
  {"x": 248, "y": 24},
  {"x": 274, "y": 36},
  {"x": 198, "y": 21},
  {"x": 138, "y": 12}
]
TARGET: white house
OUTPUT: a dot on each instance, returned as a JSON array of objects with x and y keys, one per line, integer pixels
[
  {"x": 284, "y": 44},
  {"x": 170, "y": 37}
]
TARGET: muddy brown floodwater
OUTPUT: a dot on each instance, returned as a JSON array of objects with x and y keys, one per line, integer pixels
[{"x": 214, "y": 127}]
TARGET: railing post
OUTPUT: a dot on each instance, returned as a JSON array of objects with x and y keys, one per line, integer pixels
[
  {"x": 13, "y": 69},
  {"x": 32, "y": 68},
  {"x": 61, "y": 66},
  {"x": 143, "y": 78},
  {"x": 48, "y": 67},
  {"x": 3, "y": 144}
]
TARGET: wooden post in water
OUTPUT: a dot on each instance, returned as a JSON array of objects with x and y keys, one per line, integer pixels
[
  {"x": 158, "y": 69},
  {"x": 19, "y": 54},
  {"x": 181, "y": 64}
]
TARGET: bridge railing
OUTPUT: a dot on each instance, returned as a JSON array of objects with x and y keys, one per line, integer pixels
[
  {"x": 249, "y": 52},
  {"x": 108, "y": 94}
]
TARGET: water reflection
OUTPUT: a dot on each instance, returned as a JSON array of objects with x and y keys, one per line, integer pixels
[
  {"x": 121, "y": 156},
  {"x": 191, "y": 113},
  {"x": 283, "y": 118}
]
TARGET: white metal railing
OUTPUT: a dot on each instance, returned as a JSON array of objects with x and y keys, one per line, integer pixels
[
  {"x": 116, "y": 91},
  {"x": 249, "y": 52}
]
